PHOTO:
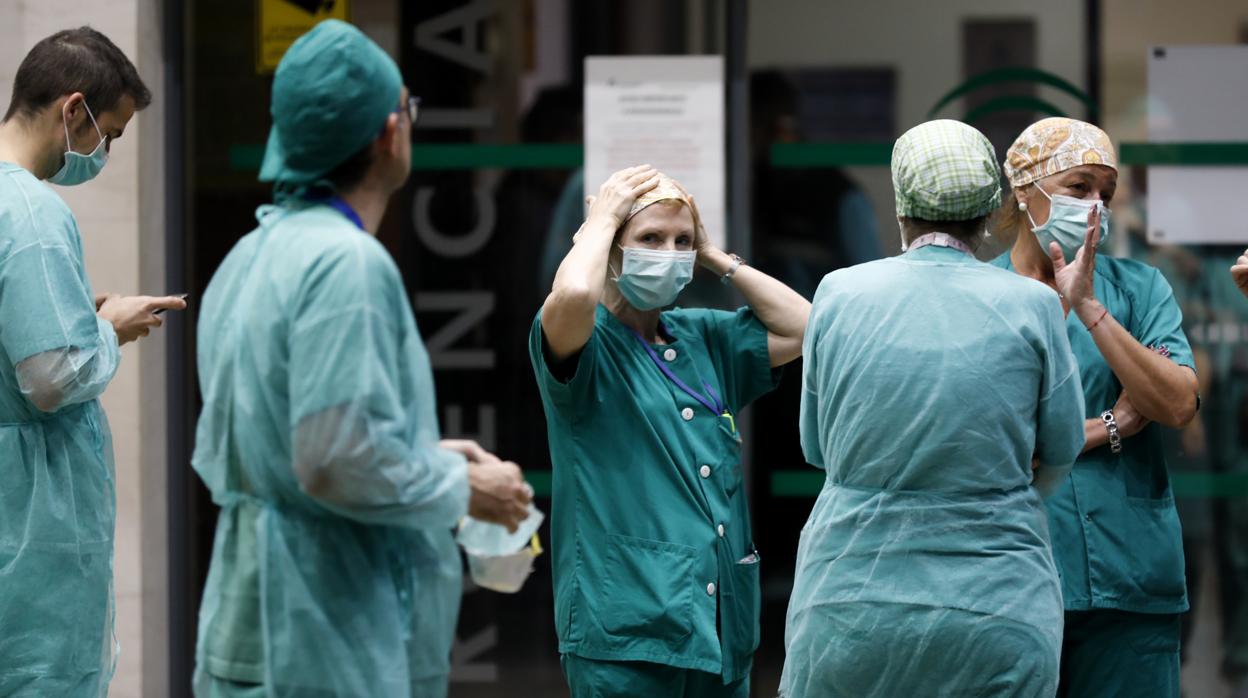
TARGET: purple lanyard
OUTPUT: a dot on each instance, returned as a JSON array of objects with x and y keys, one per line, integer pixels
[
  {"x": 713, "y": 403},
  {"x": 345, "y": 209}
]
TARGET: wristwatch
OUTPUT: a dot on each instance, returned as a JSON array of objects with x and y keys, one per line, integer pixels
[
  {"x": 736, "y": 264},
  {"x": 1111, "y": 425}
]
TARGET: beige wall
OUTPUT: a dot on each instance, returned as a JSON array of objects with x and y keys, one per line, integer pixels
[{"x": 121, "y": 218}]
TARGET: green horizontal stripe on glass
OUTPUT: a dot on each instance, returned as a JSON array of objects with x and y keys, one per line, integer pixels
[
  {"x": 800, "y": 483},
  {"x": 528, "y": 156},
  {"x": 831, "y": 154},
  {"x": 457, "y": 156},
  {"x": 246, "y": 158},
  {"x": 520, "y": 156},
  {"x": 1209, "y": 484},
  {"x": 879, "y": 154},
  {"x": 540, "y": 480},
  {"x": 1183, "y": 153},
  {"x": 797, "y": 483}
]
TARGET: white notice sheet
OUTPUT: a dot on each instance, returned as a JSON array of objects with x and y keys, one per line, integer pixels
[{"x": 664, "y": 110}]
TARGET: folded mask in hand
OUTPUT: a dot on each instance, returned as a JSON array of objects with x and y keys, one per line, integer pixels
[{"x": 500, "y": 560}]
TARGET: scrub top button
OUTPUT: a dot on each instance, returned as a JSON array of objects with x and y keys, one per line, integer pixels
[
  {"x": 687, "y": 413},
  {"x": 705, "y": 471},
  {"x": 710, "y": 589},
  {"x": 670, "y": 354},
  {"x": 720, "y": 530},
  {"x": 1087, "y": 517}
]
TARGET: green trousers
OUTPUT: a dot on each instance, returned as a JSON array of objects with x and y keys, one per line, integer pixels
[
  {"x": 591, "y": 678},
  {"x": 206, "y": 685},
  {"x": 1108, "y": 653}
]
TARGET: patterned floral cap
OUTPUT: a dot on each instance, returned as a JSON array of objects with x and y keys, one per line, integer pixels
[{"x": 1055, "y": 145}]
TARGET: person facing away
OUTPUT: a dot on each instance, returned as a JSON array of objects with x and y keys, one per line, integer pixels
[
  {"x": 1116, "y": 532},
  {"x": 940, "y": 396},
  {"x": 655, "y": 570},
  {"x": 334, "y": 571},
  {"x": 73, "y": 95}
]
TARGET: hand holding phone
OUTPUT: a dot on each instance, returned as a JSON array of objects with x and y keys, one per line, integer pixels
[{"x": 163, "y": 308}]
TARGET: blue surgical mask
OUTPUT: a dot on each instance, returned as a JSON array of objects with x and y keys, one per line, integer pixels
[
  {"x": 653, "y": 278},
  {"x": 1068, "y": 223},
  {"x": 79, "y": 168}
]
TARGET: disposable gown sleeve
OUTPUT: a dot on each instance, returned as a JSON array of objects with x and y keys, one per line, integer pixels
[
  {"x": 1059, "y": 417},
  {"x": 62, "y": 352},
  {"x": 809, "y": 411},
  {"x": 363, "y": 447}
]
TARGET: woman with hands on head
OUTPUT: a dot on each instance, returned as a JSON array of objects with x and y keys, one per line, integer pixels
[{"x": 656, "y": 575}]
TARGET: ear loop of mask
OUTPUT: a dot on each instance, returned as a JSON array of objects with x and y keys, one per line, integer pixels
[
  {"x": 69, "y": 145},
  {"x": 1027, "y": 209}
]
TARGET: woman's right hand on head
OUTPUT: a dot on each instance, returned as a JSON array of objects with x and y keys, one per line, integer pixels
[
  {"x": 498, "y": 493},
  {"x": 617, "y": 195}
]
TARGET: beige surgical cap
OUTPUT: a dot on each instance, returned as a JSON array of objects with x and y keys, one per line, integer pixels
[{"x": 667, "y": 190}]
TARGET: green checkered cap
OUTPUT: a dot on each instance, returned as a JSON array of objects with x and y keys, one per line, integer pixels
[{"x": 945, "y": 170}]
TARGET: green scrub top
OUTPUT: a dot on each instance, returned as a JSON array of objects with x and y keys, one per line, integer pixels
[
  {"x": 930, "y": 381},
  {"x": 650, "y": 528},
  {"x": 57, "y": 497},
  {"x": 1116, "y": 532},
  {"x": 333, "y": 570}
]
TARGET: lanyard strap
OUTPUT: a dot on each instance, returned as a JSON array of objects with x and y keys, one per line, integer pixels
[
  {"x": 940, "y": 240},
  {"x": 345, "y": 209},
  {"x": 712, "y": 403}
]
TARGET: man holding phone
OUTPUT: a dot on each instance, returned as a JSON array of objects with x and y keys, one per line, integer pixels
[{"x": 73, "y": 95}]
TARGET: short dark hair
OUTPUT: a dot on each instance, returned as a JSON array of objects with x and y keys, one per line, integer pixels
[
  {"x": 350, "y": 172},
  {"x": 76, "y": 60}
]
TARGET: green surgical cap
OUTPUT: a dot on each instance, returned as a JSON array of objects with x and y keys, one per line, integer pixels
[
  {"x": 945, "y": 170},
  {"x": 332, "y": 93}
]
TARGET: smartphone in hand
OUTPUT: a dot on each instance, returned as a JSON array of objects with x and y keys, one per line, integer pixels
[{"x": 183, "y": 296}]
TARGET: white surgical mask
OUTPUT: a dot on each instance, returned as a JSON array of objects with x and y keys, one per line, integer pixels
[
  {"x": 653, "y": 278},
  {"x": 1068, "y": 223},
  {"x": 500, "y": 560},
  {"x": 80, "y": 167}
]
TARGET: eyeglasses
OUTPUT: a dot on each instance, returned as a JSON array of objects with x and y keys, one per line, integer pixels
[{"x": 413, "y": 108}]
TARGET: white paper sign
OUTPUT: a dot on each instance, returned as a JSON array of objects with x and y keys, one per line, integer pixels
[
  {"x": 664, "y": 110},
  {"x": 1197, "y": 94}
]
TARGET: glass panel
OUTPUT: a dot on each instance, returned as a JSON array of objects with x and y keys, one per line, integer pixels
[
  {"x": 496, "y": 191},
  {"x": 1209, "y": 467}
]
